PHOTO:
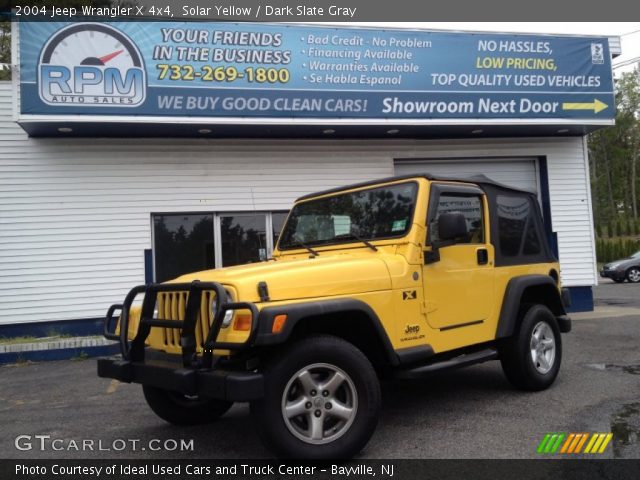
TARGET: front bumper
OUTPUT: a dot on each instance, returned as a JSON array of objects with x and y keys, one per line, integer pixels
[
  {"x": 234, "y": 386},
  {"x": 612, "y": 274},
  {"x": 197, "y": 374}
]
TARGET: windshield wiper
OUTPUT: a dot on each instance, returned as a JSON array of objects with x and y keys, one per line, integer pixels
[
  {"x": 360, "y": 239},
  {"x": 297, "y": 241}
]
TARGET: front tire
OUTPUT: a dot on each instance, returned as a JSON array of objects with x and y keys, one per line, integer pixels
[
  {"x": 633, "y": 275},
  {"x": 180, "y": 409},
  {"x": 531, "y": 357},
  {"x": 322, "y": 400}
]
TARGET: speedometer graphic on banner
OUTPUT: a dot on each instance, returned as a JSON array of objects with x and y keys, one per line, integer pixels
[{"x": 92, "y": 64}]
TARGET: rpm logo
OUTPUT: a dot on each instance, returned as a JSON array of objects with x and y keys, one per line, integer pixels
[{"x": 91, "y": 64}]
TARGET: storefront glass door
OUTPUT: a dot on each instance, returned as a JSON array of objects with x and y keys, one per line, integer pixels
[
  {"x": 243, "y": 239},
  {"x": 190, "y": 242}
]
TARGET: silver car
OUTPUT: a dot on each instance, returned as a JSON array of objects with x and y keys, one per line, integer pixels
[{"x": 624, "y": 269}]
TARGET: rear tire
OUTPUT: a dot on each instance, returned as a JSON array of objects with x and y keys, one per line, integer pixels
[
  {"x": 179, "y": 409},
  {"x": 322, "y": 400},
  {"x": 531, "y": 357}
]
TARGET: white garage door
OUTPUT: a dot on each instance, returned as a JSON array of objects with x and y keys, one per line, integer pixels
[{"x": 516, "y": 172}]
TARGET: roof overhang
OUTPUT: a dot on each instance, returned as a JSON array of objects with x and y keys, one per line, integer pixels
[{"x": 239, "y": 127}]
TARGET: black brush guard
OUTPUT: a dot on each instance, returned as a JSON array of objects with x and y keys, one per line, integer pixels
[{"x": 197, "y": 375}]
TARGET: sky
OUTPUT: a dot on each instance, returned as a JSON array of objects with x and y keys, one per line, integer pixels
[{"x": 628, "y": 31}]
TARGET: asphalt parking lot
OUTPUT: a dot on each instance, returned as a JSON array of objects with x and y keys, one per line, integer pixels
[
  {"x": 470, "y": 413},
  {"x": 611, "y": 294}
]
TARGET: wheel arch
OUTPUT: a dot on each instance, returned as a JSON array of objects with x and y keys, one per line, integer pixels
[
  {"x": 526, "y": 289},
  {"x": 350, "y": 319}
]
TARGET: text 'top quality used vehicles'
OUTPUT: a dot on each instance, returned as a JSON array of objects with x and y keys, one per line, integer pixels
[{"x": 401, "y": 277}]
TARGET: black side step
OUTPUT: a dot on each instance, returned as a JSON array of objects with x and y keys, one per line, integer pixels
[{"x": 457, "y": 362}]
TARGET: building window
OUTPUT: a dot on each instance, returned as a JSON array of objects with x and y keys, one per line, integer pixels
[
  {"x": 277, "y": 222},
  {"x": 191, "y": 242},
  {"x": 182, "y": 243}
]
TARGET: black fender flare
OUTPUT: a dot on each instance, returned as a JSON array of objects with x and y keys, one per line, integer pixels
[
  {"x": 298, "y": 312},
  {"x": 513, "y": 296}
]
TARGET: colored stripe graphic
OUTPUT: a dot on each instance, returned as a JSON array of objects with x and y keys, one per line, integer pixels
[
  {"x": 550, "y": 443},
  {"x": 543, "y": 443},
  {"x": 565, "y": 447},
  {"x": 593, "y": 439},
  {"x": 555, "y": 447},
  {"x": 596, "y": 446},
  {"x": 599, "y": 443},
  {"x": 577, "y": 439},
  {"x": 605, "y": 443},
  {"x": 572, "y": 443},
  {"x": 581, "y": 442}
]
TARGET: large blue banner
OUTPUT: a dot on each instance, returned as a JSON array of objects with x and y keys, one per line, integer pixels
[{"x": 269, "y": 70}]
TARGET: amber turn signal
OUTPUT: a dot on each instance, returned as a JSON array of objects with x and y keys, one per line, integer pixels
[
  {"x": 242, "y": 322},
  {"x": 278, "y": 323}
]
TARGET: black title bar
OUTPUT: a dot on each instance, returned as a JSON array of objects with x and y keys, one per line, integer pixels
[{"x": 330, "y": 10}]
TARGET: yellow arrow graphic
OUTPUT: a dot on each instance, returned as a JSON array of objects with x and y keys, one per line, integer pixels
[{"x": 597, "y": 106}]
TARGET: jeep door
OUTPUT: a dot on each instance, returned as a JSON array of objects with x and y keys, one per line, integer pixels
[{"x": 458, "y": 273}]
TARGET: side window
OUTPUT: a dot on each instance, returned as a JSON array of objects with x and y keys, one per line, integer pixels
[
  {"x": 531, "y": 240},
  {"x": 470, "y": 206},
  {"x": 517, "y": 228}
]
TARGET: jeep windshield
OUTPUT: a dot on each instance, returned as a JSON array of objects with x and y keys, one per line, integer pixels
[{"x": 371, "y": 214}]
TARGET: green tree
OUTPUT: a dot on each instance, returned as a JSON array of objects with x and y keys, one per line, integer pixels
[
  {"x": 613, "y": 155},
  {"x": 5, "y": 50}
]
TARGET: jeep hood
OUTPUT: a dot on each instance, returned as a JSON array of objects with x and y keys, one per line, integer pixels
[{"x": 299, "y": 278}]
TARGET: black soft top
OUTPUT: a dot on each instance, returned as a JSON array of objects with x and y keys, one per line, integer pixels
[{"x": 481, "y": 180}]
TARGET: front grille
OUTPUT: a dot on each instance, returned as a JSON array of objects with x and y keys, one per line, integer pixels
[{"x": 173, "y": 306}]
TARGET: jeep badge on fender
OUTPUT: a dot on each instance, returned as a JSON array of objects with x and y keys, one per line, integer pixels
[
  {"x": 411, "y": 275},
  {"x": 412, "y": 329}
]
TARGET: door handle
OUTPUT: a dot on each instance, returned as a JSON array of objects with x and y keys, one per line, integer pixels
[{"x": 483, "y": 256}]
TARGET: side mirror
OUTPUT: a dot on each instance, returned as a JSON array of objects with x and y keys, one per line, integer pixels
[{"x": 452, "y": 226}]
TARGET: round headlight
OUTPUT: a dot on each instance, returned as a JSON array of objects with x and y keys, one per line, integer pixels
[{"x": 228, "y": 316}]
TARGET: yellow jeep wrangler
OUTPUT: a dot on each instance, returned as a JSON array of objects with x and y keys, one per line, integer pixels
[{"x": 404, "y": 276}]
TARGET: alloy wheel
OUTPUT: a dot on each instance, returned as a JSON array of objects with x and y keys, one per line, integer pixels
[
  {"x": 319, "y": 403},
  {"x": 543, "y": 347}
]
